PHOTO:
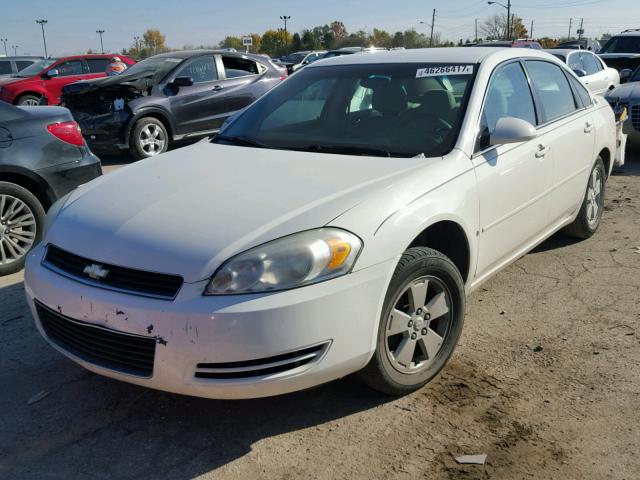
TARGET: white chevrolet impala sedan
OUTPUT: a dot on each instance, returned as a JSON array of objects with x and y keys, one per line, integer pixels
[{"x": 334, "y": 226}]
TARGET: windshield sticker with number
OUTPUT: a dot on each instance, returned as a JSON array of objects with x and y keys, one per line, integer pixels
[{"x": 444, "y": 70}]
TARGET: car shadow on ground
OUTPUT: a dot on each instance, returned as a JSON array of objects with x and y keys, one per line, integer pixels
[
  {"x": 88, "y": 425},
  {"x": 631, "y": 167}
]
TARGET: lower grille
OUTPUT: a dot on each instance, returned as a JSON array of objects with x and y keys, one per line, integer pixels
[
  {"x": 121, "y": 279},
  {"x": 262, "y": 367},
  {"x": 123, "y": 352},
  {"x": 635, "y": 116}
]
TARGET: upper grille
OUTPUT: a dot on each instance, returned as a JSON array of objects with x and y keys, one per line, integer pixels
[
  {"x": 127, "y": 280},
  {"x": 635, "y": 116},
  {"x": 263, "y": 366},
  {"x": 123, "y": 352}
]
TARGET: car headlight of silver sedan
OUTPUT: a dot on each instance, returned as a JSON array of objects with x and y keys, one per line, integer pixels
[{"x": 294, "y": 261}]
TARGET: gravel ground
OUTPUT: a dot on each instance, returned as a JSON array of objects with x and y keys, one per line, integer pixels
[{"x": 545, "y": 381}]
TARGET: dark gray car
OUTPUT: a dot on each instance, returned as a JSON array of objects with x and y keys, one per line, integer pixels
[
  {"x": 11, "y": 65},
  {"x": 168, "y": 98},
  {"x": 42, "y": 158},
  {"x": 626, "y": 98}
]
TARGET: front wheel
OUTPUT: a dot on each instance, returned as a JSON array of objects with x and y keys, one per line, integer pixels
[
  {"x": 21, "y": 220},
  {"x": 590, "y": 215},
  {"x": 28, "y": 101},
  {"x": 149, "y": 138},
  {"x": 421, "y": 322}
]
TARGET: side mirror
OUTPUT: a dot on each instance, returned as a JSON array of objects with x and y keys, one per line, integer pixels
[
  {"x": 52, "y": 73},
  {"x": 182, "y": 82},
  {"x": 579, "y": 72},
  {"x": 625, "y": 75},
  {"x": 512, "y": 130}
]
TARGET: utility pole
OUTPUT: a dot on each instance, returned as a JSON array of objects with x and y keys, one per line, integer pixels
[
  {"x": 42, "y": 23},
  {"x": 570, "y": 22},
  {"x": 433, "y": 21},
  {"x": 15, "y": 50},
  {"x": 136, "y": 39},
  {"x": 284, "y": 18},
  {"x": 4, "y": 40},
  {"x": 476, "y": 39},
  {"x": 513, "y": 29},
  {"x": 507, "y": 31},
  {"x": 100, "y": 32},
  {"x": 531, "y": 31},
  {"x": 580, "y": 31}
]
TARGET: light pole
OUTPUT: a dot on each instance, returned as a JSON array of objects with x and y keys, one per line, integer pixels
[
  {"x": 4, "y": 40},
  {"x": 433, "y": 21},
  {"x": 284, "y": 18},
  {"x": 42, "y": 23},
  {"x": 15, "y": 50},
  {"x": 100, "y": 32},
  {"x": 508, "y": 7},
  {"x": 136, "y": 39}
]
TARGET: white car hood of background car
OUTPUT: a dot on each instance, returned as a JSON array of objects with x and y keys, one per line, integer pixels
[{"x": 187, "y": 211}]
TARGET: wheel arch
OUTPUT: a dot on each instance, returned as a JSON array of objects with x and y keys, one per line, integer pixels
[
  {"x": 28, "y": 92},
  {"x": 605, "y": 154},
  {"x": 30, "y": 181}
]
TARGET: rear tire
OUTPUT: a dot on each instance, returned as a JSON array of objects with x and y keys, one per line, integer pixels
[
  {"x": 421, "y": 322},
  {"x": 590, "y": 215},
  {"x": 28, "y": 101},
  {"x": 21, "y": 221},
  {"x": 149, "y": 138}
]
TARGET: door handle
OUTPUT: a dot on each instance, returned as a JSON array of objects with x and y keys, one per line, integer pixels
[
  {"x": 217, "y": 88},
  {"x": 588, "y": 127},
  {"x": 542, "y": 151}
]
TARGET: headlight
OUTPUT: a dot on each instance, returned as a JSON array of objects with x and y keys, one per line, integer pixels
[{"x": 294, "y": 261}]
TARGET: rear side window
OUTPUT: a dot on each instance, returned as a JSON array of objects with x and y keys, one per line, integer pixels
[
  {"x": 239, "y": 67},
  {"x": 581, "y": 91},
  {"x": 23, "y": 64},
  {"x": 591, "y": 64},
  {"x": 201, "y": 69},
  {"x": 72, "y": 67},
  {"x": 575, "y": 62},
  {"x": 508, "y": 95},
  {"x": 5, "y": 67},
  {"x": 98, "y": 65},
  {"x": 552, "y": 88}
]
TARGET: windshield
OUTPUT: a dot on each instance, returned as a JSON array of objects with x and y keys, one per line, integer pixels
[
  {"x": 630, "y": 44},
  {"x": 399, "y": 110},
  {"x": 294, "y": 58},
  {"x": 36, "y": 68},
  {"x": 157, "y": 67}
]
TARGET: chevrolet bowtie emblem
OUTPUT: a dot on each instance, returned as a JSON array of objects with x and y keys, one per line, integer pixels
[{"x": 96, "y": 271}]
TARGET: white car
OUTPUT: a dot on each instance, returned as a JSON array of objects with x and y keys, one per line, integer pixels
[
  {"x": 593, "y": 72},
  {"x": 334, "y": 226}
]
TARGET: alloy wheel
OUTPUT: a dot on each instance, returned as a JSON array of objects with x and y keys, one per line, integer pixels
[
  {"x": 152, "y": 140},
  {"x": 17, "y": 229},
  {"x": 594, "y": 198},
  {"x": 30, "y": 102},
  {"x": 418, "y": 324}
]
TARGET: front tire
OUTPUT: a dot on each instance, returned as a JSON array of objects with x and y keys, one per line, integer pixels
[
  {"x": 28, "y": 101},
  {"x": 590, "y": 215},
  {"x": 21, "y": 221},
  {"x": 148, "y": 138},
  {"x": 421, "y": 322}
]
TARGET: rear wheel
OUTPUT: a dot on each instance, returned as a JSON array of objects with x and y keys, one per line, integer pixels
[
  {"x": 421, "y": 322},
  {"x": 28, "y": 101},
  {"x": 21, "y": 220},
  {"x": 148, "y": 138},
  {"x": 588, "y": 219}
]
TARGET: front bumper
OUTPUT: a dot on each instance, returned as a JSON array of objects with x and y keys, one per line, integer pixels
[
  {"x": 341, "y": 314},
  {"x": 105, "y": 132}
]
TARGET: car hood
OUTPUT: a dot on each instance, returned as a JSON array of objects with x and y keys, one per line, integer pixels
[
  {"x": 133, "y": 82},
  {"x": 187, "y": 211},
  {"x": 9, "y": 80},
  {"x": 624, "y": 93}
]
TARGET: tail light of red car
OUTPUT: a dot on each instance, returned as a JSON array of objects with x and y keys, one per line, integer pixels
[{"x": 68, "y": 132}]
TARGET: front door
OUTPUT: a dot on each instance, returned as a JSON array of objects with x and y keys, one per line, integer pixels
[
  {"x": 514, "y": 181},
  {"x": 69, "y": 71}
]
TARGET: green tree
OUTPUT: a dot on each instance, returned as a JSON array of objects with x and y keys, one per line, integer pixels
[
  {"x": 232, "y": 42},
  {"x": 154, "y": 41},
  {"x": 338, "y": 29},
  {"x": 275, "y": 43}
]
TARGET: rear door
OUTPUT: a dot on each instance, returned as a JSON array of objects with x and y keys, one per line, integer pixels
[
  {"x": 567, "y": 125},
  {"x": 514, "y": 180},
  {"x": 69, "y": 71},
  {"x": 97, "y": 67},
  {"x": 191, "y": 106}
]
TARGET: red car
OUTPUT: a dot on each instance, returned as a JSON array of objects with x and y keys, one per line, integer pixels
[{"x": 42, "y": 82}]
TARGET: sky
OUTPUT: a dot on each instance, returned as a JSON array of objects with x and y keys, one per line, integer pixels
[{"x": 72, "y": 24}]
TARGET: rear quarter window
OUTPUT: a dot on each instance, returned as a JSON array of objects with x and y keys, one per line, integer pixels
[
  {"x": 20, "y": 64},
  {"x": 552, "y": 89},
  {"x": 98, "y": 65},
  {"x": 239, "y": 67},
  {"x": 5, "y": 67}
]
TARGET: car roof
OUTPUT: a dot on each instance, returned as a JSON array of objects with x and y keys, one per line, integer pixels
[
  {"x": 628, "y": 33},
  {"x": 183, "y": 54},
  {"x": 22, "y": 57},
  {"x": 566, "y": 51},
  {"x": 436, "y": 55}
]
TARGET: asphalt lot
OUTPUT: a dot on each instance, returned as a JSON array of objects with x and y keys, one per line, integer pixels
[{"x": 545, "y": 381}]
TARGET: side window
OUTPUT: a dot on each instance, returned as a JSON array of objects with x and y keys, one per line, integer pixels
[
  {"x": 552, "y": 88},
  {"x": 575, "y": 62},
  {"x": 98, "y": 65},
  {"x": 72, "y": 67},
  {"x": 581, "y": 91},
  {"x": 23, "y": 64},
  {"x": 235, "y": 67},
  {"x": 201, "y": 69},
  {"x": 508, "y": 95},
  {"x": 5, "y": 67},
  {"x": 591, "y": 64}
]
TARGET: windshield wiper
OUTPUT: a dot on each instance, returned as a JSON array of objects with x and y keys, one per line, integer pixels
[
  {"x": 347, "y": 150},
  {"x": 242, "y": 141}
]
